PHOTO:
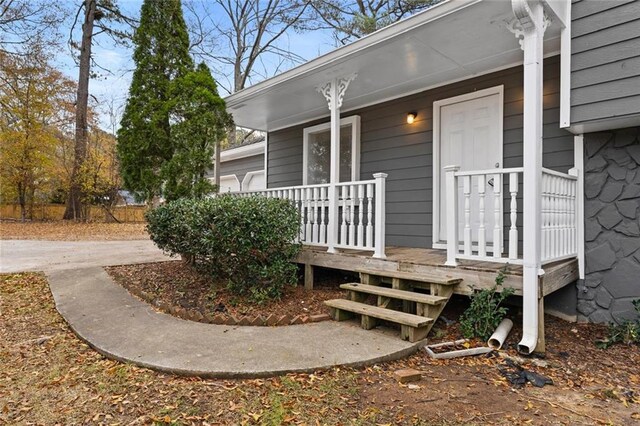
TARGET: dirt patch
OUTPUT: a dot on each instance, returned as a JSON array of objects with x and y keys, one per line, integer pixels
[
  {"x": 179, "y": 289},
  {"x": 72, "y": 231},
  {"x": 590, "y": 385},
  {"x": 50, "y": 377}
]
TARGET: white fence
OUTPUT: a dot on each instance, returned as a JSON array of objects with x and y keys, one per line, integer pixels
[
  {"x": 475, "y": 202},
  {"x": 355, "y": 221}
]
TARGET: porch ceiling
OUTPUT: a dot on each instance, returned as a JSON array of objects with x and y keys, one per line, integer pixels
[{"x": 455, "y": 40}]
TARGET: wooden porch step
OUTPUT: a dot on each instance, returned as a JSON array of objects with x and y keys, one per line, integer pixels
[
  {"x": 381, "y": 313},
  {"x": 395, "y": 294},
  {"x": 410, "y": 276},
  {"x": 412, "y": 327}
]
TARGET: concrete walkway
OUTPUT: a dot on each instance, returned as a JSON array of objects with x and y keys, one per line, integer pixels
[
  {"x": 34, "y": 255},
  {"x": 120, "y": 326}
]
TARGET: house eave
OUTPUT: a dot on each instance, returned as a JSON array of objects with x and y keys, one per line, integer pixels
[
  {"x": 612, "y": 123},
  {"x": 242, "y": 152},
  {"x": 452, "y": 41},
  {"x": 442, "y": 9}
]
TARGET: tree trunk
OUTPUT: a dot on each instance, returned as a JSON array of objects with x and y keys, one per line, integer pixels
[
  {"x": 74, "y": 208},
  {"x": 23, "y": 203}
]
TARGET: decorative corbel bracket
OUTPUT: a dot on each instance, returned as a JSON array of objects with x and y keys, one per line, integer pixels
[
  {"x": 336, "y": 87},
  {"x": 516, "y": 28}
]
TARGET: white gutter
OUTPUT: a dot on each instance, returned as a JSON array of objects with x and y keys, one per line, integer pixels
[{"x": 243, "y": 151}]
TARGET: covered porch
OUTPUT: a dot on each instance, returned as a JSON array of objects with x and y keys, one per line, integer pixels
[{"x": 483, "y": 215}]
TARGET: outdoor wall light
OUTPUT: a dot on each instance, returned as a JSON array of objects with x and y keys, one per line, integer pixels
[{"x": 411, "y": 117}]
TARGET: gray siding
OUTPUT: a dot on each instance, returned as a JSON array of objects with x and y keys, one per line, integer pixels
[
  {"x": 242, "y": 166},
  {"x": 605, "y": 60},
  {"x": 404, "y": 151}
]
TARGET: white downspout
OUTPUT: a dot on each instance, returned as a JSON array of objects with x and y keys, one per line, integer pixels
[{"x": 533, "y": 24}]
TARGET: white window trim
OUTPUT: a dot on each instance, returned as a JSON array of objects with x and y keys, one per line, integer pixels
[
  {"x": 354, "y": 121},
  {"x": 496, "y": 90},
  {"x": 248, "y": 176}
]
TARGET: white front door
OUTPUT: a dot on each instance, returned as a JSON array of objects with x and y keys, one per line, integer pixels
[{"x": 469, "y": 135}]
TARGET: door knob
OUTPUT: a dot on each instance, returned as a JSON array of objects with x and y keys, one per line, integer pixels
[{"x": 497, "y": 165}]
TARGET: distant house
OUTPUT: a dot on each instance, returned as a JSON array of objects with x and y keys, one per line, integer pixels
[
  {"x": 478, "y": 133},
  {"x": 242, "y": 168},
  {"x": 126, "y": 198}
]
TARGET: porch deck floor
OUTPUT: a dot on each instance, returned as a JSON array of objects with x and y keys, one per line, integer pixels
[{"x": 475, "y": 274}]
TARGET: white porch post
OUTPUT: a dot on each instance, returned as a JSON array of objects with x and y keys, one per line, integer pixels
[
  {"x": 333, "y": 92},
  {"x": 380, "y": 232},
  {"x": 533, "y": 23},
  {"x": 452, "y": 214}
]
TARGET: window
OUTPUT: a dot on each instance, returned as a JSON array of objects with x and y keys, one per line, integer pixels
[{"x": 317, "y": 146}]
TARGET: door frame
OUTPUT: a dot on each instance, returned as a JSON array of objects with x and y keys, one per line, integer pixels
[{"x": 437, "y": 105}]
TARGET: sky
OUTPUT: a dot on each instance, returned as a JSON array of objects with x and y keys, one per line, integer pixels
[{"x": 112, "y": 87}]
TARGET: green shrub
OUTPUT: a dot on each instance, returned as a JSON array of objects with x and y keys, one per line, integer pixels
[
  {"x": 247, "y": 241},
  {"x": 627, "y": 333},
  {"x": 485, "y": 312}
]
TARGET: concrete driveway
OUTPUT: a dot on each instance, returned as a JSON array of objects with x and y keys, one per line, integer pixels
[{"x": 47, "y": 256}]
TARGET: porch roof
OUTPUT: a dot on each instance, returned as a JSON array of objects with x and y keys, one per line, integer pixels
[{"x": 453, "y": 41}]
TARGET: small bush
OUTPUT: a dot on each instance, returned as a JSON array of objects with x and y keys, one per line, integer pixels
[
  {"x": 249, "y": 241},
  {"x": 627, "y": 333},
  {"x": 485, "y": 312}
]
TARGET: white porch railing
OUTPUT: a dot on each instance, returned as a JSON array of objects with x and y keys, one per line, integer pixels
[
  {"x": 475, "y": 202},
  {"x": 361, "y": 213},
  {"x": 559, "y": 237}
]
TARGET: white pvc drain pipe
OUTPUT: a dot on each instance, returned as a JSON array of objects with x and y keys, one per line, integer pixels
[{"x": 500, "y": 335}]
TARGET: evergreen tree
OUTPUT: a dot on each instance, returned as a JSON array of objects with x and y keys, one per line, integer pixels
[
  {"x": 161, "y": 55},
  {"x": 198, "y": 120}
]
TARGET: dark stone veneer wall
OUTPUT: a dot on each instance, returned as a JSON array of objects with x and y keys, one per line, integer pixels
[{"x": 612, "y": 231}]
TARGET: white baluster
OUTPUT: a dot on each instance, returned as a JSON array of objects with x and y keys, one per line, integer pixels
[
  {"x": 309, "y": 211},
  {"x": 360, "y": 215},
  {"x": 315, "y": 216},
  {"x": 343, "y": 225},
  {"x": 298, "y": 202},
  {"x": 323, "y": 226},
  {"x": 562, "y": 238},
  {"x": 513, "y": 231},
  {"x": 555, "y": 216},
  {"x": 574, "y": 218},
  {"x": 466, "y": 189},
  {"x": 546, "y": 216},
  {"x": 352, "y": 213},
  {"x": 369, "y": 225},
  {"x": 482, "y": 236},
  {"x": 497, "y": 219}
]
